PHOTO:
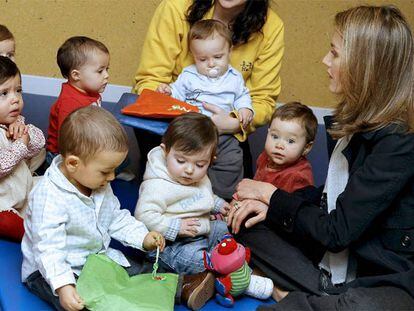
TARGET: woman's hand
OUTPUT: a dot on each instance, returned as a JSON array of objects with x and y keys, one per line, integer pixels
[
  {"x": 225, "y": 123},
  {"x": 225, "y": 209},
  {"x": 255, "y": 190},
  {"x": 242, "y": 209}
]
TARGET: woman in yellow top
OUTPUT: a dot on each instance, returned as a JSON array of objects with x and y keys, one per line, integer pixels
[{"x": 257, "y": 52}]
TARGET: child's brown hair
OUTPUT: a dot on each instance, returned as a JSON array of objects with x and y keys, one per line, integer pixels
[
  {"x": 74, "y": 53},
  {"x": 191, "y": 132},
  {"x": 90, "y": 130},
  {"x": 300, "y": 112},
  {"x": 5, "y": 33},
  {"x": 207, "y": 28},
  {"x": 8, "y": 69}
]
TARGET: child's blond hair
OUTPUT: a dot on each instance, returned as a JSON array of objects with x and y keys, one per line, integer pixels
[
  {"x": 90, "y": 130},
  {"x": 207, "y": 28}
]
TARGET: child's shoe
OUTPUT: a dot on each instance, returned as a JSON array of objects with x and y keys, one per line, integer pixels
[
  {"x": 259, "y": 287},
  {"x": 197, "y": 289}
]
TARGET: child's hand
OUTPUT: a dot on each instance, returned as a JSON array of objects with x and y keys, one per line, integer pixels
[
  {"x": 69, "y": 298},
  {"x": 152, "y": 240},
  {"x": 17, "y": 130},
  {"x": 245, "y": 116},
  {"x": 189, "y": 227},
  {"x": 164, "y": 89},
  {"x": 225, "y": 209},
  {"x": 25, "y": 139}
]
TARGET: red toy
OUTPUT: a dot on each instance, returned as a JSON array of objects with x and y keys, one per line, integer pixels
[{"x": 229, "y": 259}]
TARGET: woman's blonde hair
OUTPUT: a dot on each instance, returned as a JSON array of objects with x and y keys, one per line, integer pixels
[{"x": 376, "y": 70}]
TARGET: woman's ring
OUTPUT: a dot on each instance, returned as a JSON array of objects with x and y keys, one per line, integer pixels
[{"x": 236, "y": 205}]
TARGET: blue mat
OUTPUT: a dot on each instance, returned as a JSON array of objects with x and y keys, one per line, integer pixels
[{"x": 14, "y": 296}]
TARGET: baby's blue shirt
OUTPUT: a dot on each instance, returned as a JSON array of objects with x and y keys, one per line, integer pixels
[{"x": 227, "y": 92}]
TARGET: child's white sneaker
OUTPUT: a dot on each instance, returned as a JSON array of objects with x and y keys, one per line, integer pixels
[{"x": 259, "y": 287}]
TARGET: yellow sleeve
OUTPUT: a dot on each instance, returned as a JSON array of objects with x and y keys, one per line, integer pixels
[
  {"x": 162, "y": 46},
  {"x": 264, "y": 83}
]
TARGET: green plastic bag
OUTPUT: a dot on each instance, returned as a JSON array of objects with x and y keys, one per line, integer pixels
[{"x": 105, "y": 285}]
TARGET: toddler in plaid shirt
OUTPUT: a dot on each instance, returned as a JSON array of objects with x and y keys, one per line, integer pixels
[{"x": 73, "y": 212}]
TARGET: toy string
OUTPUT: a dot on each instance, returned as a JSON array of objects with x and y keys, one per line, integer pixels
[{"x": 155, "y": 267}]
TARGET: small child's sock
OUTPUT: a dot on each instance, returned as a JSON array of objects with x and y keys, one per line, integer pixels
[
  {"x": 11, "y": 226},
  {"x": 259, "y": 287}
]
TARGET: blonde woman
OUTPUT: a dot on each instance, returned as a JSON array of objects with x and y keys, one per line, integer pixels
[{"x": 350, "y": 244}]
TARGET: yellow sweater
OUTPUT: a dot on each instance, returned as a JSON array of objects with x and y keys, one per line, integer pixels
[{"x": 165, "y": 53}]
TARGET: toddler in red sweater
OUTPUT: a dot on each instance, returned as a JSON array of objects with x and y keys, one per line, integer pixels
[
  {"x": 84, "y": 62},
  {"x": 289, "y": 139}
]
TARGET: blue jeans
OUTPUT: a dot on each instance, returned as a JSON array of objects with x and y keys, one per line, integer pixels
[{"x": 185, "y": 255}]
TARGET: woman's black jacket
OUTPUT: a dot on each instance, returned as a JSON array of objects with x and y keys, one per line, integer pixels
[{"x": 374, "y": 216}]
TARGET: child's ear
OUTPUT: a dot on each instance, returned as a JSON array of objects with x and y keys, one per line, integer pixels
[
  {"x": 72, "y": 163},
  {"x": 307, "y": 148},
  {"x": 163, "y": 148},
  {"x": 74, "y": 75},
  {"x": 213, "y": 159}
]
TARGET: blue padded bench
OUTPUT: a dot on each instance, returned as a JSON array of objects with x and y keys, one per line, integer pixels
[{"x": 37, "y": 107}]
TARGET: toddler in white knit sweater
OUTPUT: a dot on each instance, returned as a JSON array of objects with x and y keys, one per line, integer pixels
[{"x": 176, "y": 197}]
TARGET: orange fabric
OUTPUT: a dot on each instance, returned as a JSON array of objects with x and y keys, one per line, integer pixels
[{"x": 152, "y": 104}]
